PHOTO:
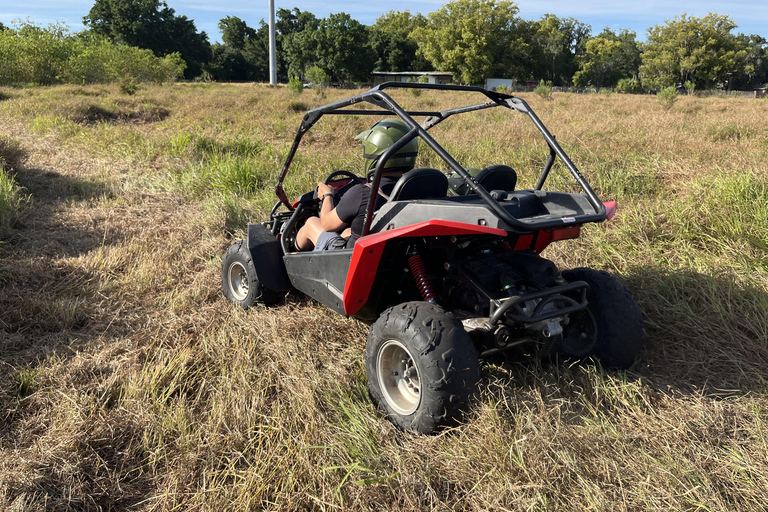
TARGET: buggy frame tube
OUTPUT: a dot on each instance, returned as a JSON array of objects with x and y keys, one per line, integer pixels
[
  {"x": 377, "y": 97},
  {"x": 547, "y": 168}
]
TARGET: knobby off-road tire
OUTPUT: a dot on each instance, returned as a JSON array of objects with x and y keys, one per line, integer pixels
[
  {"x": 422, "y": 367},
  {"x": 618, "y": 319},
  {"x": 239, "y": 280}
]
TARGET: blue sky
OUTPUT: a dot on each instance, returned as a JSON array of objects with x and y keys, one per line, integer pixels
[{"x": 751, "y": 16}]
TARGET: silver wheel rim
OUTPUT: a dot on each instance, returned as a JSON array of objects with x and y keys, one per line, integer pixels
[
  {"x": 398, "y": 377},
  {"x": 238, "y": 280}
]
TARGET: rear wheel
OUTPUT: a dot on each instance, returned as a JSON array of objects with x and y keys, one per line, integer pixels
[
  {"x": 239, "y": 281},
  {"x": 617, "y": 318},
  {"x": 422, "y": 367}
]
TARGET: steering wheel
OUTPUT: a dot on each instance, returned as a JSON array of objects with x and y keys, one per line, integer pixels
[{"x": 346, "y": 174}]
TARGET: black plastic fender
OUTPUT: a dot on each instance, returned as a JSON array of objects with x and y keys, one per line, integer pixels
[{"x": 267, "y": 258}]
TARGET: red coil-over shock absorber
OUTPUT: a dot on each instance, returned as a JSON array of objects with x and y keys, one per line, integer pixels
[
  {"x": 506, "y": 246},
  {"x": 420, "y": 275}
]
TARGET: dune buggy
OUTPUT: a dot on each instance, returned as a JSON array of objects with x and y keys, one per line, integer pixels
[{"x": 448, "y": 271}]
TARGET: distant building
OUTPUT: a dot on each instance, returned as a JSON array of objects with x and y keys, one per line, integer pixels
[
  {"x": 433, "y": 77},
  {"x": 493, "y": 83},
  {"x": 761, "y": 91}
]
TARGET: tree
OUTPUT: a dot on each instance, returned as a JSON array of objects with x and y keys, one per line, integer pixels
[
  {"x": 235, "y": 33},
  {"x": 227, "y": 63},
  {"x": 153, "y": 25},
  {"x": 597, "y": 65},
  {"x": 628, "y": 53},
  {"x": 299, "y": 51},
  {"x": 291, "y": 21},
  {"x": 390, "y": 40},
  {"x": 290, "y": 61},
  {"x": 242, "y": 56},
  {"x": 472, "y": 38},
  {"x": 756, "y": 62},
  {"x": 701, "y": 50},
  {"x": 342, "y": 48},
  {"x": 561, "y": 41},
  {"x": 550, "y": 39},
  {"x": 338, "y": 45},
  {"x": 608, "y": 58}
]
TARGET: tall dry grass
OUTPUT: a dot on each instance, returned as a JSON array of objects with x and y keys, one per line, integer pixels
[{"x": 127, "y": 382}]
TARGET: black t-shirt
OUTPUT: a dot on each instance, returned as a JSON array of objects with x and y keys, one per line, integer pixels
[{"x": 353, "y": 204}]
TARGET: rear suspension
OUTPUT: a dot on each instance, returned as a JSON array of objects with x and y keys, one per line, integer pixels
[{"x": 420, "y": 276}]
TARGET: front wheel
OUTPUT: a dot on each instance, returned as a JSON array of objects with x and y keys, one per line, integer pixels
[
  {"x": 618, "y": 320},
  {"x": 422, "y": 367},
  {"x": 239, "y": 281}
]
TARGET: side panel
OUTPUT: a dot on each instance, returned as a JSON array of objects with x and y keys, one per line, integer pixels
[
  {"x": 267, "y": 258},
  {"x": 320, "y": 274},
  {"x": 367, "y": 253}
]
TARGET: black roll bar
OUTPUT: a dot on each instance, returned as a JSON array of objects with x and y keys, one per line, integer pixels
[{"x": 388, "y": 106}]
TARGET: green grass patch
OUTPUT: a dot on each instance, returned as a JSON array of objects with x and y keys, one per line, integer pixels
[
  {"x": 12, "y": 198},
  {"x": 204, "y": 147},
  {"x": 24, "y": 382},
  {"x": 225, "y": 174},
  {"x": 729, "y": 133},
  {"x": 12, "y": 201}
]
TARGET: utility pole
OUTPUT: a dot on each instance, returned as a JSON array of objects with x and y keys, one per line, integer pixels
[{"x": 272, "y": 49}]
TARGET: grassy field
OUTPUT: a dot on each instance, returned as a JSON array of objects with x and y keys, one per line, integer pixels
[{"x": 127, "y": 382}]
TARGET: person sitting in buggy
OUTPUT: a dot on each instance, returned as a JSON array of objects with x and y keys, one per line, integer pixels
[{"x": 341, "y": 219}]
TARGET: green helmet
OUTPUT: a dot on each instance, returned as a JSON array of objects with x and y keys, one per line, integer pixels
[{"x": 381, "y": 137}]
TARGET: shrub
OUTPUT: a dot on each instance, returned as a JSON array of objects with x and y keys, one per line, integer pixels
[
  {"x": 504, "y": 89},
  {"x": 129, "y": 86},
  {"x": 295, "y": 85},
  {"x": 318, "y": 77},
  {"x": 98, "y": 60},
  {"x": 667, "y": 97},
  {"x": 421, "y": 80},
  {"x": 689, "y": 87},
  {"x": 544, "y": 90},
  {"x": 629, "y": 86},
  {"x": 297, "y": 106},
  {"x": 31, "y": 54}
]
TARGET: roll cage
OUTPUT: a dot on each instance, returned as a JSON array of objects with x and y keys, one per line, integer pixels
[{"x": 389, "y": 107}]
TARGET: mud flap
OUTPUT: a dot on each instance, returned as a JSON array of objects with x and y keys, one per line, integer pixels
[{"x": 267, "y": 257}]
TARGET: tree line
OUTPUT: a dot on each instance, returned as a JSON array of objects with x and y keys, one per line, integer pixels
[{"x": 473, "y": 39}]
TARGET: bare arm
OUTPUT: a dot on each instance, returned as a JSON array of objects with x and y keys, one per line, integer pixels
[{"x": 329, "y": 219}]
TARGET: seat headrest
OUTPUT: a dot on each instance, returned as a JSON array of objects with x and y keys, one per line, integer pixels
[
  {"x": 423, "y": 183},
  {"x": 497, "y": 177}
]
